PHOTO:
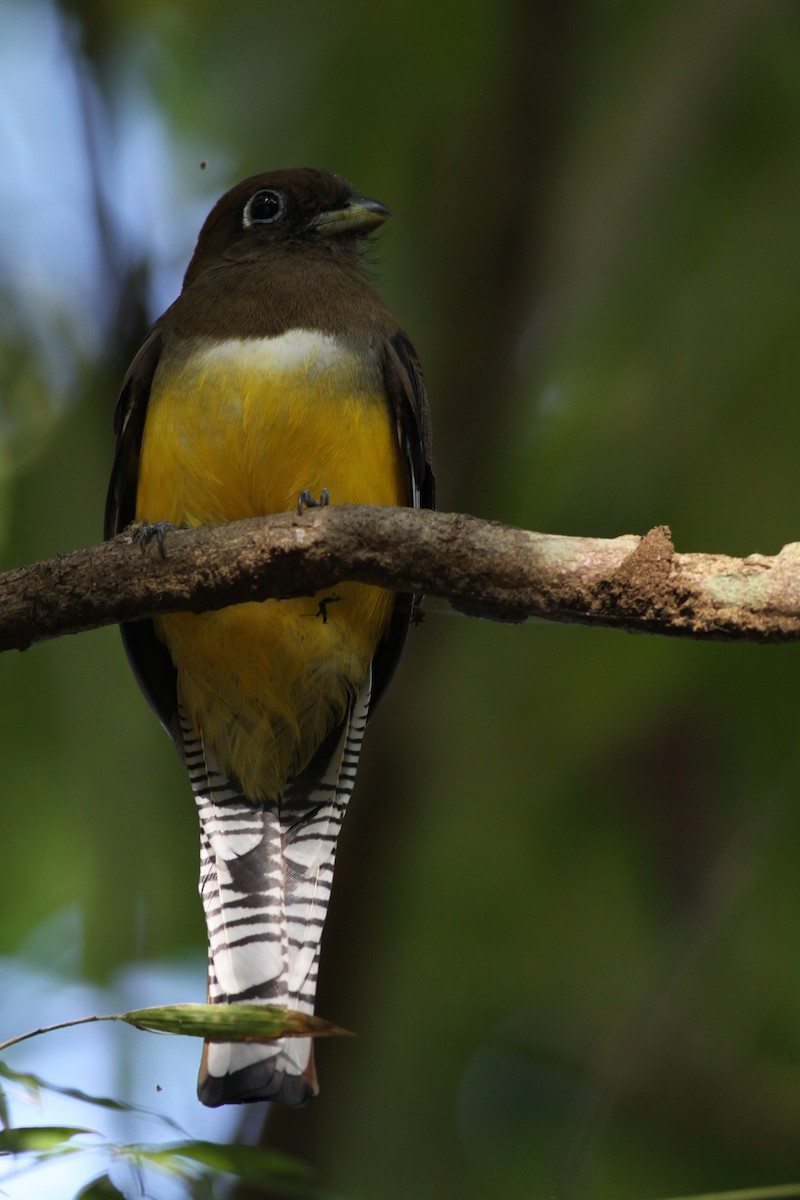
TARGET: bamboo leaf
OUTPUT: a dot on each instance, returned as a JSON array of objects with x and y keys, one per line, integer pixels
[
  {"x": 786, "y": 1191},
  {"x": 37, "y": 1138},
  {"x": 100, "y": 1188},
  {"x": 249, "y": 1163},
  {"x": 217, "y": 1022},
  {"x": 36, "y": 1084},
  {"x": 231, "y": 1022}
]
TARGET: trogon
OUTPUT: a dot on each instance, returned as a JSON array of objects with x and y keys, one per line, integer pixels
[{"x": 277, "y": 378}]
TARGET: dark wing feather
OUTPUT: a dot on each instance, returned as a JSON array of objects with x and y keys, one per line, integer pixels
[
  {"x": 148, "y": 656},
  {"x": 405, "y": 388},
  {"x": 129, "y": 417}
]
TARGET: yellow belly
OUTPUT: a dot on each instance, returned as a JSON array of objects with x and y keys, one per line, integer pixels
[{"x": 240, "y": 431}]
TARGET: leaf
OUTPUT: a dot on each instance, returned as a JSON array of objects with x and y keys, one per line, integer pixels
[
  {"x": 231, "y": 1022},
  {"x": 786, "y": 1191},
  {"x": 37, "y": 1137},
  {"x": 36, "y": 1084},
  {"x": 253, "y": 1164},
  {"x": 100, "y": 1188},
  {"x": 31, "y": 1082},
  {"x": 217, "y": 1022}
]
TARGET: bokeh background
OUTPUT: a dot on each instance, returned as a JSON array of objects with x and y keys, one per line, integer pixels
[{"x": 566, "y": 914}]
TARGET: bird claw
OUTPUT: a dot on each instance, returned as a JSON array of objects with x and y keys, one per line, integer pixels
[
  {"x": 306, "y": 500},
  {"x": 156, "y": 529}
]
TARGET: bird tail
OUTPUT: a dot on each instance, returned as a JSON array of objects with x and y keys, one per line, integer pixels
[{"x": 265, "y": 879}]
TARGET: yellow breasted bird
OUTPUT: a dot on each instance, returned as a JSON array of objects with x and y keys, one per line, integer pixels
[{"x": 277, "y": 374}]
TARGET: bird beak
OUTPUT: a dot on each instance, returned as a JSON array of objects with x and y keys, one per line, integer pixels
[{"x": 359, "y": 215}]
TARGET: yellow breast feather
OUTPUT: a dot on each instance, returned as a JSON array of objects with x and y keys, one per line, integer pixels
[{"x": 240, "y": 429}]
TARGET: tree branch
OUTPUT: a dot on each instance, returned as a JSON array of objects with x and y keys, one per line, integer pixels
[{"x": 485, "y": 569}]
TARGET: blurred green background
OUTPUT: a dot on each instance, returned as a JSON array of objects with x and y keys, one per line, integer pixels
[{"x": 565, "y": 924}]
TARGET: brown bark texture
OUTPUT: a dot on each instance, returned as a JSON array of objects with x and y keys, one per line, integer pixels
[{"x": 483, "y": 568}]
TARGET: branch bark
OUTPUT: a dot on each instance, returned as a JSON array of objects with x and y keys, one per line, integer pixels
[{"x": 485, "y": 569}]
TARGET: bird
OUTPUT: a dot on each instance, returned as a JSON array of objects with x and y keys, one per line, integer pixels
[{"x": 277, "y": 380}]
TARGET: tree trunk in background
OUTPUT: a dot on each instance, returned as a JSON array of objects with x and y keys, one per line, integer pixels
[{"x": 497, "y": 211}]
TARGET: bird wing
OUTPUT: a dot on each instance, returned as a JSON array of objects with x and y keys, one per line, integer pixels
[
  {"x": 148, "y": 656},
  {"x": 405, "y": 388}
]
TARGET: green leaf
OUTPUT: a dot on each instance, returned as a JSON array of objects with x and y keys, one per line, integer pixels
[
  {"x": 231, "y": 1022},
  {"x": 23, "y": 1078},
  {"x": 100, "y": 1188},
  {"x": 37, "y": 1138},
  {"x": 217, "y": 1022},
  {"x": 786, "y": 1191},
  {"x": 36, "y": 1084},
  {"x": 253, "y": 1164}
]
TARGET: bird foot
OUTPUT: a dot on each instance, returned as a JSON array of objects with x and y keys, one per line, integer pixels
[
  {"x": 306, "y": 500},
  {"x": 156, "y": 529}
]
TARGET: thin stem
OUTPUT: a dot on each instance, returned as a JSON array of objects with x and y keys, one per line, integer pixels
[{"x": 23, "y": 1037}]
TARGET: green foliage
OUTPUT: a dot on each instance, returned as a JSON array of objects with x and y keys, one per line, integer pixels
[
  {"x": 791, "y": 1192},
  {"x": 195, "y": 1162},
  {"x": 37, "y": 1139},
  {"x": 99, "y": 1189}
]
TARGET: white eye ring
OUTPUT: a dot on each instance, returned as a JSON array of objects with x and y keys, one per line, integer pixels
[{"x": 264, "y": 207}]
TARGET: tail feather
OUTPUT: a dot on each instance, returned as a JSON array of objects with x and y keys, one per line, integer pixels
[{"x": 266, "y": 873}]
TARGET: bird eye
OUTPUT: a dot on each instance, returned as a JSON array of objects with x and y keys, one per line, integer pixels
[{"x": 265, "y": 206}]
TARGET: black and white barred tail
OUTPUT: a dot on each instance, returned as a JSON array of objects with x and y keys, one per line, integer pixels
[{"x": 265, "y": 879}]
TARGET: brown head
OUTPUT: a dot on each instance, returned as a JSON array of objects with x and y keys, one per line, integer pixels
[{"x": 299, "y": 207}]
